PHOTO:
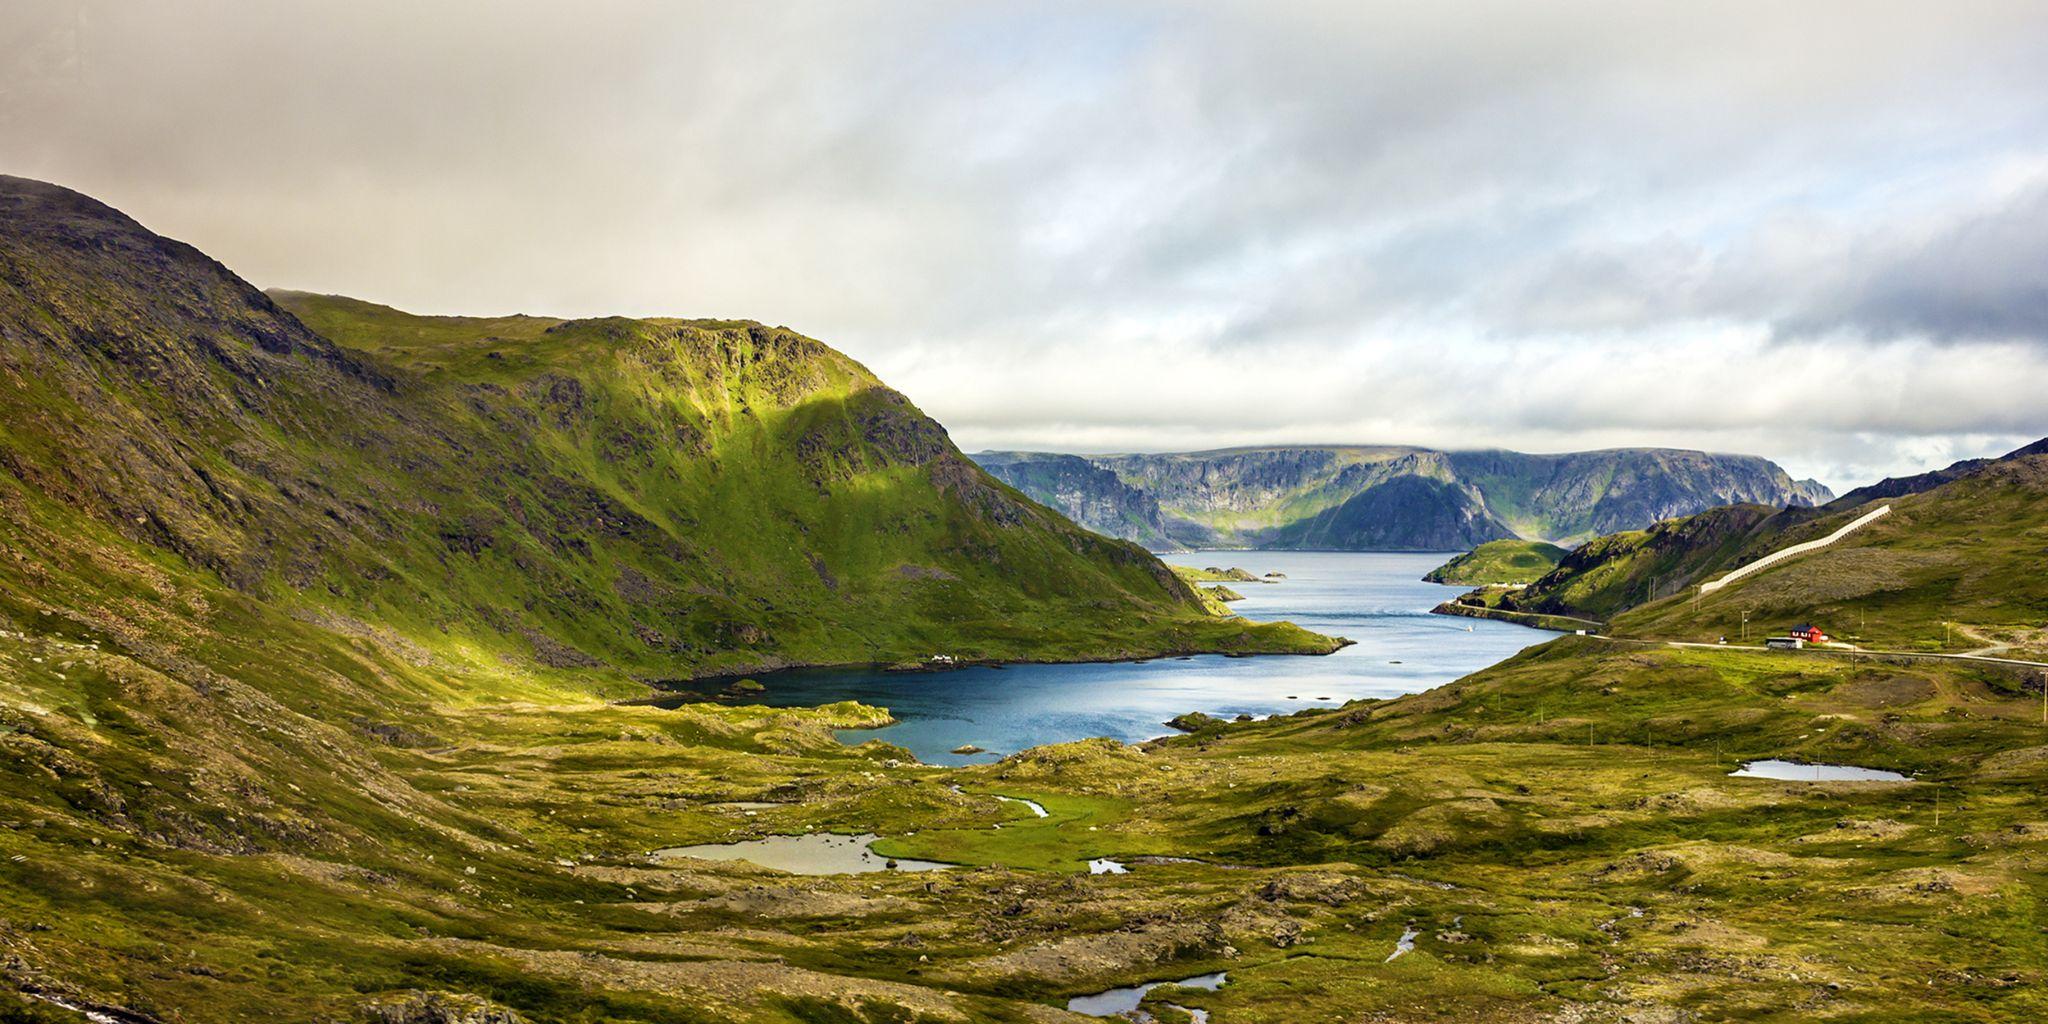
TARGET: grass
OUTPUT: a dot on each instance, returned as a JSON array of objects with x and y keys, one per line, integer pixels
[
  {"x": 1499, "y": 562},
  {"x": 255, "y": 766}
]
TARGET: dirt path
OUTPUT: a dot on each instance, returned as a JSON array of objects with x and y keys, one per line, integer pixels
[{"x": 1993, "y": 647}]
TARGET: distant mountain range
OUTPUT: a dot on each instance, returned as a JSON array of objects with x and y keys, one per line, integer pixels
[{"x": 1387, "y": 498}]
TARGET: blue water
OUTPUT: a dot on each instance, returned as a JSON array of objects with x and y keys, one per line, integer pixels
[
  {"x": 1793, "y": 771},
  {"x": 1378, "y": 600}
]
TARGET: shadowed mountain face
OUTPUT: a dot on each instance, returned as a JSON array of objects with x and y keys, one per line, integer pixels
[
  {"x": 669, "y": 496},
  {"x": 1388, "y": 498}
]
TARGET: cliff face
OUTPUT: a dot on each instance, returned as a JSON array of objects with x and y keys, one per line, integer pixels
[
  {"x": 1391, "y": 498},
  {"x": 1084, "y": 492}
]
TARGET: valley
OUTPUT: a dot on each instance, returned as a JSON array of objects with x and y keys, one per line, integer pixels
[{"x": 328, "y": 633}]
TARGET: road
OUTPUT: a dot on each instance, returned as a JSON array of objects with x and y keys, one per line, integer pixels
[{"x": 1845, "y": 651}]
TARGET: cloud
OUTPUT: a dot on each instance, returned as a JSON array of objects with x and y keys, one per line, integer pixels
[{"x": 1148, "y": 225}]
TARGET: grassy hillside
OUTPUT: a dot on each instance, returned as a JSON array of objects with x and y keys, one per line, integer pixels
[
  {"x": 305, "y": 638},
  {"x": 1609, "y": 574},
  {"x": 291, "y": 728},
  {"x": 1966, "y": 553},
  {"x": 1952, "y": 568},
  {"x": 668, "y": 497},
  {"x": 1499, "y": 561}
]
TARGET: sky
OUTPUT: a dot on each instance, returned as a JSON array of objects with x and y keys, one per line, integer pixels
[{"x": 1812, "y": 231}]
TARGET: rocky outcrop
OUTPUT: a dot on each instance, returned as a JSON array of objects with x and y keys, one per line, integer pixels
[{"x": 1084, "y": 492}]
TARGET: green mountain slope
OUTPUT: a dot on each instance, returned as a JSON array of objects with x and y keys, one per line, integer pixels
[
  {"x": 1968, "y": 552},
  {"x": 666, "y": 496},
  {"x": 1961, "y": 546},
  {"x": 1387, "y": 497},
  {"x": 1499, "y": 561},
  {"x": 308, "y": 638}
]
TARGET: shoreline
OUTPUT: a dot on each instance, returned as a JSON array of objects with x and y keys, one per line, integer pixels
[
  {"x": 1534, "y": 620},
  {"x": 666, "y": 688}
]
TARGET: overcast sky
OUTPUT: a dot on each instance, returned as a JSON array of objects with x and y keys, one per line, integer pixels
[{"x": 1812, "y": 231}]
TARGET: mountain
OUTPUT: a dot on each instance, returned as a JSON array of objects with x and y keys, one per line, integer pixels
[
  {"x": 1961, "y": 546},
  {"x": 668, "y": 497},
  {"x": 1083, "y": 492},
  {"x": 1387, "y": 497},
  {"x": 1897, "y": 486}
]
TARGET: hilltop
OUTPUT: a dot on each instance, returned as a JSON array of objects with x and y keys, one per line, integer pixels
[
  {"x": 1382, "y": 497},
  {"x": 1499, "y": 561}
]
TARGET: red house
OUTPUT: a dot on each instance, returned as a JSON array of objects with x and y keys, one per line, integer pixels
[{"x": 1810, "y": 634}]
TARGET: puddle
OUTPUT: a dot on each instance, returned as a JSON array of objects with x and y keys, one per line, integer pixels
[
  {"x": 1404, "y": 945},
  {"x": 1789, "y": 771},
  {"x": 1105, "y": 866},
  {"x": 1124, "y": 1000},
  {"x": 816, "y": 854},
  {"x": 1037, "y": 810}
]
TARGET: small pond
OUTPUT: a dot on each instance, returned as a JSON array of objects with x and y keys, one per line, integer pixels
[
  {"x": 822, "y": 853},
  {"x": 1405, "y": 944},
  {"x": 1037, "y": 809},
  {"x": 1792, "y": 771},
  {"x": 1124, "y": 1000}
]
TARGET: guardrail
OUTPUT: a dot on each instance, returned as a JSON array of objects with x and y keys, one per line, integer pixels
[{"x": 1797, "y": 549}]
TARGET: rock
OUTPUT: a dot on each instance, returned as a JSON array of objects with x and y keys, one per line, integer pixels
[
  {"x": 967, "y": 748},
  {"x": 1194, "y": 721},
  {"x": 437, "y": 1008}
]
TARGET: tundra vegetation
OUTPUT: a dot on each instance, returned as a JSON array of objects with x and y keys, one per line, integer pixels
[{"x": 314, "y": 630}]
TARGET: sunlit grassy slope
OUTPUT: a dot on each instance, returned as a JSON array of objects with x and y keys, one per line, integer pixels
[
  {"x": 668, "y": 497},
  {"x": 1499, "y": 561},
  {"x": 1966, "y": 552}
]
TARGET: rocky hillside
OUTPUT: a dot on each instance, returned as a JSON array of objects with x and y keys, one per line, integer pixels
[
  {"x": 671, "y": 497},
  {"x": 1085, "y": 493},
  {"x": 1388, "y": 498}
]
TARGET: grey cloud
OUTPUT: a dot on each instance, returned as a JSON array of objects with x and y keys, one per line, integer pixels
[{"x": 1382, "y": 209}]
